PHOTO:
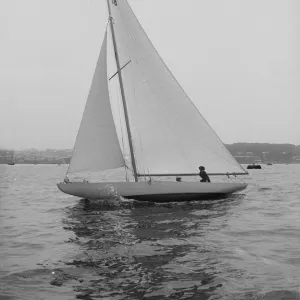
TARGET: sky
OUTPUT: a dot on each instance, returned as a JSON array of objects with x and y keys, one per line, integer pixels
[{"x": 237, "y": 60}]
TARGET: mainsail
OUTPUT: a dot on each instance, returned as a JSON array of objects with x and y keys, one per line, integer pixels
[
  {"x": 169, "y": 134},
  {"x": 97, "y": 147}
]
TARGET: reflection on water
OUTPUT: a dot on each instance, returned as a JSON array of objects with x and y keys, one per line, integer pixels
[
  {"x": 155, "y": 251},
  {"x": 54, "y": 246}
]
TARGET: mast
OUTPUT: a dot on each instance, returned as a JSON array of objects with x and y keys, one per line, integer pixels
[{"x": 122, "y": 93}]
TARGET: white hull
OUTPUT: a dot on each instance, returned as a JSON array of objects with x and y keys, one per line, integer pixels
[{"x": 154, "y": 191}]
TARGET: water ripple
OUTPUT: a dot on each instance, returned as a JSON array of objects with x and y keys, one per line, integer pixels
[{"x": 54, "y": 247}]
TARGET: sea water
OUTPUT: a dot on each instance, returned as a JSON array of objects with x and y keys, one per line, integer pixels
[{"x": 52, "y": 246}]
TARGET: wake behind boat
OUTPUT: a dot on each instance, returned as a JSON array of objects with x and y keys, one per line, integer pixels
[{"x": 137, "y": 109}]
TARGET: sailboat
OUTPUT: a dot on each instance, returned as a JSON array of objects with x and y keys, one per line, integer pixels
[
  {"x": 138, "y": 119},
  {"x": 12, "y": 161}
]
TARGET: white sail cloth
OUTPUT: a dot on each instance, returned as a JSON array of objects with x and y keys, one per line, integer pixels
[
  {"x": 97, "y": 147},
  {"x": 169, "y": 134}
]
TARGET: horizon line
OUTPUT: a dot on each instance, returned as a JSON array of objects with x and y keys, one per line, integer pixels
[{"x": 43, "y": 149}]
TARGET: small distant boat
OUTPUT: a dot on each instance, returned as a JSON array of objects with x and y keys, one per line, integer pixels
[
  {"x": 12, "y": 161},
  {"x": 254, "y": 166}
]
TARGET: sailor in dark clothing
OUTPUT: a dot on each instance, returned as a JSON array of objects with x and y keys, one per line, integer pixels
[{"x": 203, "y": 175}]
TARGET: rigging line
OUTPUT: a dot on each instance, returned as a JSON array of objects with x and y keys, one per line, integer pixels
[
  {"x": 230, "y": 178},
  {"x": 119, "y": 70}
]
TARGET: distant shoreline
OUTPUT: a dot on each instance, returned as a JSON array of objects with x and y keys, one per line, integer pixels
[
  {"x": 259, "y": 163},
  {"x": 244, "y": 153}
]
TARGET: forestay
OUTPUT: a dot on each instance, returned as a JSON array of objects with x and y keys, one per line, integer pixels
[
  {"x": 97, "y": 147},
  {"x": 169, "y": 133}
]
